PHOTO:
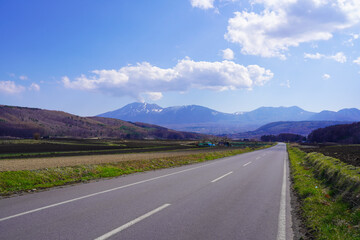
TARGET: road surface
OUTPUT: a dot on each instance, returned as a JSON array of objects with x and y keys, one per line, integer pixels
[{"x": 240, "y": 197}]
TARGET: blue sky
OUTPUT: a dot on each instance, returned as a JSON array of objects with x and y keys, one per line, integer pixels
[{"x": 89, "y": 57}]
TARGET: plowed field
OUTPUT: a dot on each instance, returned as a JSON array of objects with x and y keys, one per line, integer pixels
[{"x": 349, "y": 154}]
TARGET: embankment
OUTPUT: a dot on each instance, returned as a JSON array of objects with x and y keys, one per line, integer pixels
[{"x": 328, "y": 192}]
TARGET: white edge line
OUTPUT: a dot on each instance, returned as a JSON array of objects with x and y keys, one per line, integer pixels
[
  {"x": 129, "y": 224},
  {"x": 281, "y": 235},
  {"x": 246, "y": 164},
  {"x": 215, "y": 180},
  {"x": 98, "y": 193}
]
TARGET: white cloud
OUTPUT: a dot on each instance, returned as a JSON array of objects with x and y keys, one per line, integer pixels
[
  {"x": 228, "y": 54},
  {"x": 23, "y": 77},
  {"x": 10, "y": 87},
  {"x": 288, "y": 23},
  {"x": 207, "y": 4},
  {"x": 154, "y": 96},
  {"x": 314, "y": 56},
  {"x": 145, "y": 78},
  {"x": 326, "y": 76},
  {"x": 357, "y": 61},
  {"x": 285, "y": 84},
  {"x": 338, "y": 57},
  {"x": 34, "y": 87},
  {"x": 354, "y": 37},
  {"x": 203, "y": 4}
]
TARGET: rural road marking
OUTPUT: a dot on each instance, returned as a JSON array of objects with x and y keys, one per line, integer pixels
[
  {"x": 126, "y": 225},
  {"x": 258, "y": 158},
  {"x": 246, "y": 164},
  {"x": 102, "y": 192},
  {"x": 281, "y": 235},
  {"x": 215, "y": 180}
]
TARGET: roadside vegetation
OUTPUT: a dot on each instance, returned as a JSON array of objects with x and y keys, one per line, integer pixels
[
  {"x": 329, "y": 194},
  {"x": 31, "y": 180}
]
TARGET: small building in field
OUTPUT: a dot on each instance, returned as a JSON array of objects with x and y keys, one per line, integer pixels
[{"x": 206, "y": 144}]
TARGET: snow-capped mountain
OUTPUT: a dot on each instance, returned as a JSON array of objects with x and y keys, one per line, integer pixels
[
  {"x": 205, "y": 120},
  {"x": 152, "y": 113}
]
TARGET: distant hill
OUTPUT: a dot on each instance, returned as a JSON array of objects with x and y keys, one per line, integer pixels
[
  {"x": 347, "y": 114},
  {"x": 265, "y": 115},
  {"x": 345, "y": 133},
  {"x": 301, "y": 128},
  {"x": 200, "y": 119},
  {"x": 25, "y": 122},
  {"x": 283, "y": 137}
]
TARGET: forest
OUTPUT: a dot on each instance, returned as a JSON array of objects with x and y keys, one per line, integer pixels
[{"x": 344, "y": 133}]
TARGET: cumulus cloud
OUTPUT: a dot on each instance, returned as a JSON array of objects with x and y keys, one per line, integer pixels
[
  {"x": 154, "y": 96},
  {"x": 357, "y": 61},
  {"x": 203, "y": 4},
  {"x": 338, "y": 57},
  {"x": 227, "y": 54},
  {"x": 288, "y": 23},
  {"x": 326, "y": 76},
  {"x": 145, "y": 78},
  {"x": 34, "y": 87},
  {"x": 10, "y": 87}
]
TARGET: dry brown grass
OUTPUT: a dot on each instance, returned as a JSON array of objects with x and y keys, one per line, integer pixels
[{"x": 51, "y": 162}]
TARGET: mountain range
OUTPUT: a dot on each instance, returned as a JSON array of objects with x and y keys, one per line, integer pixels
[
  {"x": 201, "y": 119},
  {"x": 142, "y": 121},
  {"x": 26, "y": 122},
  {"x": 275, "y": 128}
]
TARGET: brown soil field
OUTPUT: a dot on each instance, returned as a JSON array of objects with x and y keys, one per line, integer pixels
[
  {"x": 349, "y": 154},
  {"x": 75, "y": 147},
  {"x": 51, "y": 162}
]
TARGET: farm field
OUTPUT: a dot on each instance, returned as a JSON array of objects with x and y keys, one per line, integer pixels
[
  {"x": 349, "y": 154},
  {"x": 73, "y": 147},
  {"x": 66, "y": 161},
  {"x": 16, "y": 155}
]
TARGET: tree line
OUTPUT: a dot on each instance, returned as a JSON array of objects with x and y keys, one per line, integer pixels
[
  {"x": 342, "y": 133},
  {"x": 283, "y": 137}
]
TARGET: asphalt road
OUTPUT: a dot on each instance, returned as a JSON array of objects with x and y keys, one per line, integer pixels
[{"x": 240, "y": 197}]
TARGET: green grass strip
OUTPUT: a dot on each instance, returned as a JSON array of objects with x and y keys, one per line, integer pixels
[
  {"x": 326, "y": 216},
  {"x": 343, "y": 178},
  {"x": 17, "y": 181}
]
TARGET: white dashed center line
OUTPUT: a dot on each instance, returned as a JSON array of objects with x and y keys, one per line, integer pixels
[
  {"x": 215, "y": 180},
  {"x": 129, "y": 224},
  {"x": 246, "y": 164}
]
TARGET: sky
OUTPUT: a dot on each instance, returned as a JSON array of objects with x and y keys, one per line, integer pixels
[{"x": 88, "y": 57}]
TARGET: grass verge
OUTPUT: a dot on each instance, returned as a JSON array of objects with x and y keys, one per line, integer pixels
[
  {"x": 325, "y": 212},
  {"x": 29, "y": 180}
]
